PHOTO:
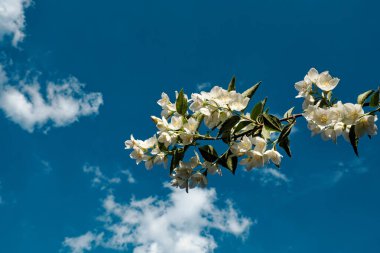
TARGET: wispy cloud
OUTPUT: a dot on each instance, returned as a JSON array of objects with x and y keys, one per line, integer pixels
[
  {"x": 129, "y": 176},
  {"x": 343, "y": 169},
  {"x": 99, "y": 179},
  {"x": 12, "y": 19},
  {"x": 179, "y": 224},
  {"x": 47, "y": 167},
  {"x": 83, "y": 242},
  {"x": 202, "y": 86},
  {"x": 270, "y": 176},
  {"x": 65, "y": 102}
]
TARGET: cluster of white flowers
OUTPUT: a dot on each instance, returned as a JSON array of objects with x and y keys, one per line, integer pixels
[
  {"x": 184, "y": 175},
  {"x": 247, "y": 135},
  {"x": 257, "y": 157},
  {"x": 217, "y": 105},
  {"x": 177, "y": 130},
  {"x": 331, "y": 119},
  {"x": 147, "y": 151}
]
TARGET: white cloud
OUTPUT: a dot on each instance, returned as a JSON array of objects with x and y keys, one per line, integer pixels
[
  {"x": 83, "y": 242},
  {"x": 270, "y": 176},
  {"x": 99, "y": 179},
  {"x": 180, "y": 224},
  {"x": 202, "y": 86},
  {"x": 129, "y": 175},
  {"x": 47, "y": 167},
  {"x": 12, "y": 19},
  {"x": 63, "y": 104}
]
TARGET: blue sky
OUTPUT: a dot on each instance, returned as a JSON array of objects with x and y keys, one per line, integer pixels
[{"x": 126, "y": 53}]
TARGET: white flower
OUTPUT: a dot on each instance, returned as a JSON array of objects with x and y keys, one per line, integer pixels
[
  {"x": 176, "y": 123},
  {"x": 139, "y": 155},
  {"x": 352, "y": 113},
  {"x": 303, "y": 88},
  {"x": 192, "y": 163},
  {"x": 242, "y": 147},
  {"x": 149, "y": 163},
  {"x": 366, "y": 126},
  {"x": 184, "y": 171},
  {"x": 260, "y": 144},
  {"x": 238, "y": 101},
  {"x": 164, "y": 101},
  {"x": 197, "y": 103},
  {"x": 216, "y": 118},
  {"x": 254, "y": 159},
  {"x": 212, "y": 168},
  {"x": 186, "y": 138},
  {"x": 161, "y": 124},
  {"x": 312, "y": 76},
  {"x": 320, "y": 118},
  {"x": 167, "y": 107},
  {"x": 131, "y": 143},
  {"x": 339, "y": 110},
  {"x": 166, "y": 139},
  {"x": 149, "y": 143},
  {"x": 197, "y": 179},
  {"x": 273, "y": 155},
  {"x": 160, "y": 158},
  {"x": 326, "y": 82},
  {"x": 309, "y": 100},
  {"x": 191, "y": 126},
  {"x": 217, "y": 104}
]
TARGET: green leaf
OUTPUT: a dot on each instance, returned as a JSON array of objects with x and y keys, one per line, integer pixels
[
  {"x": 289, "y": 113},
  {"x": 228, "y": 124},
  {"x": 229, "y": 161},
  {"x": 231, "y": 85},
  {"x": 285, "y": 144},
  {"x": 286, "y": 131},
  {"x": 272, "y": 122},
  {"x": 181, "y": 103},
  {"x": 354, "y": 139},
  {"x": 257, "y": 110},
  {"x": 251, "y": 91},
  {"x": 241, "y": 125},
  {"x": 226, "y": 137},
  {"x": 374, "y": 99},
  {"x": 178, "y": 155},
  {"x": 265, "y": 132},
  {"x": 363, "y": 97},
  {"x": 208, "y": 153}
]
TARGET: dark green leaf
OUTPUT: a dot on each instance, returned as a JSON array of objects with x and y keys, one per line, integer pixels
[
  {"x": 208, "y": 153},
  {"x": 272, "y": 122},
  {"x": 178, "y": 155},
  {"x": 285, "y": 144},
  {"x": 354, "y": 139},
  {"x": 363, "y": 97},
  {"x": 374, "y": 99},
  {"x": 241, "y": 125},
  {"x": 257, "y": 110},
  {"x": 289, "y": 113},
  {"x": 232, "y": 85},
  {"x": 226, "y": 137},
  {"x": 181, "y": 103},
  {"x": 251, "y": 91},
  {"x": 228, "y": 124},
  {"x": 229, "y": 161},
  {"x": 286, "y": 131}
]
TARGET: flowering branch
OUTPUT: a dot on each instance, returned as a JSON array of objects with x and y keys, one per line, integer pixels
[{"x": 253, "y": 138}]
